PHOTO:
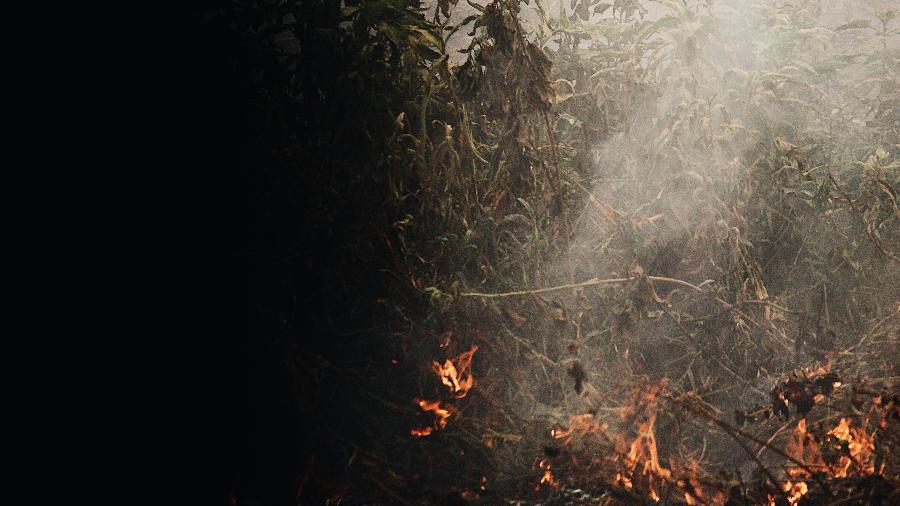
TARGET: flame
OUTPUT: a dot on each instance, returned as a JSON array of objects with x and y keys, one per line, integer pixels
[
  {"x": 643, "y": 448},
  {"x": 643, "y": 451},
  {"x": 690, "y": 484},
  {"x": 795, "y": 491},
  {"x": 853, "y": 446},
  {"x": 861, "y": 447},
  {"x": 624, "y": 481},
  {"x": 803, "y": 447},
  {"x": 441, "y": 414},
  {"x": 457, "y": 377},
  {"x": 579, "y": 425},
  {"x": 547, "y": 476}
]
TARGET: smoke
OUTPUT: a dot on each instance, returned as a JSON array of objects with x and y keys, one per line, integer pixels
[
  {"x": 732, "y": 113},
  {"x": 706, "y": 138}
]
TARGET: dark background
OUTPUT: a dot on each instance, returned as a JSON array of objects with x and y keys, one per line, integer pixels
[
  {"x": 269, "y": 246},
  {"x": 258, "y": 445}
]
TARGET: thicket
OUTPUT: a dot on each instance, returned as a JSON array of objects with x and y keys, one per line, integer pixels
[{"x": 638, "y": 211}]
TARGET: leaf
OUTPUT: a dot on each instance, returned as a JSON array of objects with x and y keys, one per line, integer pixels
[
  {"x": 526, "y": 205},
  {"x": 571, "y": 119},
  {"x": 805, "y": 66},
  {"x": 423, "y": 37},
  {"x": 853, "y": 25},
  {"x": 517, "y": 219},
  {"x": 601, "y": 8},
  {"x": 563, "y": 96},
  {"x": 821, "y": 34},
  {"x": 477, "y": 7}
]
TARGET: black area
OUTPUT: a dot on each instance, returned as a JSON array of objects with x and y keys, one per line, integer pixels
[{"x": 254, "y": 423}]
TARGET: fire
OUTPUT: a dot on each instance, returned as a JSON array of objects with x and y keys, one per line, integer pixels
[
  {"x": 850, "y": 445},
  {"x": 860, "y": 446},
  {"x": 624, "y": 481},
  {"x": 424, "y": 431},
  {"x": 690, "y": 484},
  {"x": 803, "y": 447},
  {"x": 547, "y": 476},
  {"x": 643, "y": 451},
  {"x": 795, "y": 491},
  {"x": 579, "y": 425},
  {"x": 441, "y": 414},
  {"x": 457, "y": 377},
  {"x": 643, "y": 448}
]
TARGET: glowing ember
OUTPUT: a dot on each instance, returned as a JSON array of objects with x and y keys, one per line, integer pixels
[
  {"x": 424, "y": 431},
  {"x": 457, "y": 377}
]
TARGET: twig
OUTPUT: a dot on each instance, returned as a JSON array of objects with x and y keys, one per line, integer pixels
[
  {"x": 590, "y": 282},
  {"x": 734, "y": 432}
]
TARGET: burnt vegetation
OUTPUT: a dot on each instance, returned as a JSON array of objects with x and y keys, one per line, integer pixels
[{"x": 588, "y": 252}]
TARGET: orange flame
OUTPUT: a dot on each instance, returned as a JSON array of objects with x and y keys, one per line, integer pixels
[
  {"x": 579, "y": 425},
  {"x": 643, "y": 450},
  {"x": 457, "y": 377},
  {"x": 854, "y": 447},
  {"x": 547, "y": 476},
  {"x": 441, "y": 414},
  {"x": 861, "y": 447},
  {"x": 803, "y": 447},
  {"x": 795, "y": 491}
]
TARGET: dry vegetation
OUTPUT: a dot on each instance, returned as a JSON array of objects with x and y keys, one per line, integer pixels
[{"x": 612, "y": 253}]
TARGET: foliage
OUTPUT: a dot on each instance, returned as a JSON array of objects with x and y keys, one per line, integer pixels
[{"x": 735, "y": 165}]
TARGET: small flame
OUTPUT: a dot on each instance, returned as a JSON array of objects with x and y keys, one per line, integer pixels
[
  {"x": 643, "y": 451},
  {"x": 547, "y": 476},
  {"x": 795, "y": 491},
  {"x": 624, "y": 480},
  {"x": 441, "y": 414},
  {"x": 457, "y": 377},
  {"x": 643, "y": 448},
  {"x": 579, "y": 425}
]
